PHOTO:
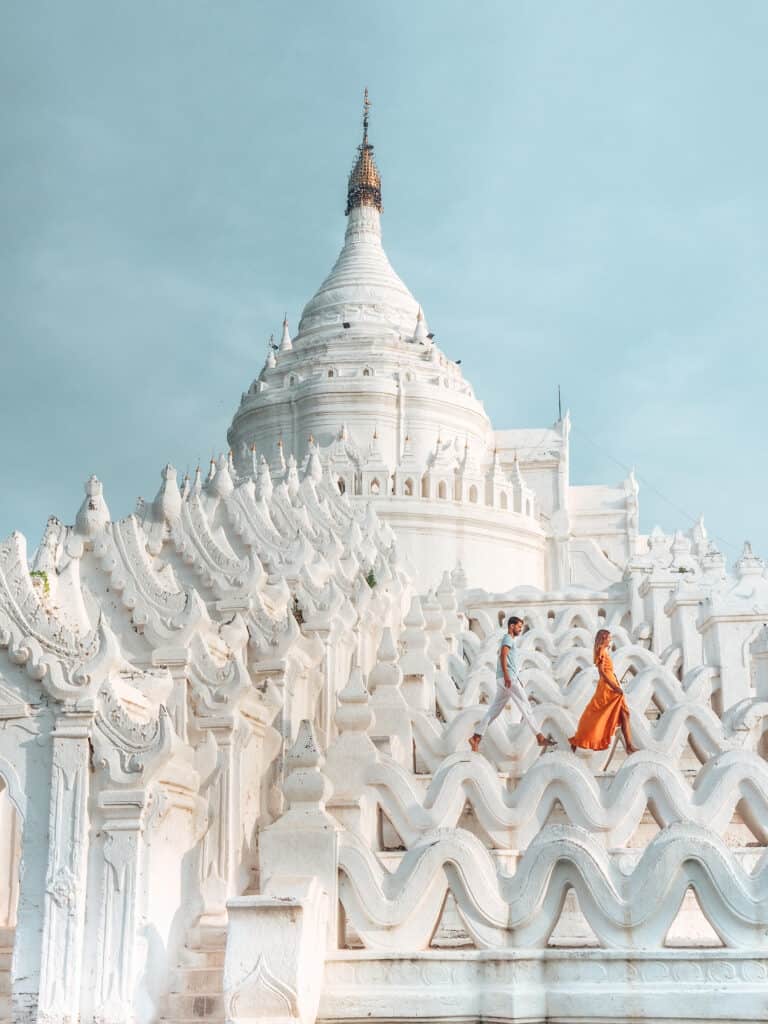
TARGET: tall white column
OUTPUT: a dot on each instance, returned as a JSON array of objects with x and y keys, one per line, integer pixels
[
  {"x": 122, "y": 813},
  {"x": 64, "y": 905}
]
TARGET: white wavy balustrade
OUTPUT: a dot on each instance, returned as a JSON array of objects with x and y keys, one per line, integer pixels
[
  {"x": 679, "y": 728},
  {"x": 651, "y": 685},
  {"x": 562, "y": 680},
  {"x": 513, "y": 818},
  {"x": 399, "y": 911}
]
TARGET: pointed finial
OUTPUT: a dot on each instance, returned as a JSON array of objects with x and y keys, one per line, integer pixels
[
  {"x": 366, "y": 111},
  {"x": 420, "y": 331},
  {"x": 364, "y": 185}
]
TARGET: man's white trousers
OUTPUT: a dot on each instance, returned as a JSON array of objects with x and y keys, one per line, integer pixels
[{"x": 505, "y": 694}]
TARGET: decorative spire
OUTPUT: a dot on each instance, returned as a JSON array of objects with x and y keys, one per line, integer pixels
[
  {"x": 285, "y": 342},
  {"x": 264, "y": 486},
  {"x": 93, "y": 515},
  {"x": 364, "y": 186},
  {"x": 167, "y": 504},
  {"x": 420, "y": 333},
  {"x": 271, "y": 361}
]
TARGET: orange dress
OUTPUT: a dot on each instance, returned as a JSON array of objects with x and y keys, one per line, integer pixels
[{"x": 600, "y": 718}]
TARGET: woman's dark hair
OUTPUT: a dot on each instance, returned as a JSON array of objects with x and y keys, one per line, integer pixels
[{"x": 513, "y": 621}]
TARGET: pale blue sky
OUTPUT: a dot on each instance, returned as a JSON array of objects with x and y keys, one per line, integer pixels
[{"x": 576, "y": 192}]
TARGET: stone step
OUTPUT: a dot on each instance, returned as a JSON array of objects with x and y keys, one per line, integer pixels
[
  {"x": 5, "y": 984},
  {"x": 195, "y": 1007},
  {"x": 198, "y": 980},
  {"x": 5, "y": 1010},
  {"x": 207, "y": 937},
  {"x": 201, "y": 957}
]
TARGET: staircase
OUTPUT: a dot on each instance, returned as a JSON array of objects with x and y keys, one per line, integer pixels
[
  {"x": 6, "y": 953},
  {"x": 196, "y": 993},
  {"x": 543, "y": 879}
]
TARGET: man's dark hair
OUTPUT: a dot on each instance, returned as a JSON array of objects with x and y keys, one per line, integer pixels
[{"x": 513, "y": 621}]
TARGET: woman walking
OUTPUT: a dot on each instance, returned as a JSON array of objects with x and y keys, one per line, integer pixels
[{"x": 608, "y": 708}]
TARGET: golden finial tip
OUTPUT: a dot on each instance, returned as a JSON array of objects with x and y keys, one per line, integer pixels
[{"x": 364, "y": 185}]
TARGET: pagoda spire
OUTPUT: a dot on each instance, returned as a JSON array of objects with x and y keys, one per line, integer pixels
[
  {"x": 364, "y": 186},
  {"x": 285, "y": 342}
]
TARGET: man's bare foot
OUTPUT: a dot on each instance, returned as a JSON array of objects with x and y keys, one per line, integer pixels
[
  {"x": 474, "y": 742},
  {"x": 544, "y": 741}
]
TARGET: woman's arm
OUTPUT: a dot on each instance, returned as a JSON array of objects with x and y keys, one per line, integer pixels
[{"x": 605, "y": 666}]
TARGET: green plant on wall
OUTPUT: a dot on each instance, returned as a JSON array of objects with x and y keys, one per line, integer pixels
[
  {"x": 41, "y": 575},
  {"x": 370, "y": 578}
]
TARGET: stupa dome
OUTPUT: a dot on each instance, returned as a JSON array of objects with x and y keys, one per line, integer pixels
[{"x": 362, "y": 288}]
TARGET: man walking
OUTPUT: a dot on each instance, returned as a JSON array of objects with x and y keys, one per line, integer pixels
[{"x": 509, "y": 687}]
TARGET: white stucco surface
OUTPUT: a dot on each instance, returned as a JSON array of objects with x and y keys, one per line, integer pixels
[{"x": 235, "y": 779}]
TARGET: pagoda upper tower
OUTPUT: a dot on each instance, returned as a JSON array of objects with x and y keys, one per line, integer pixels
[
  {"x": 364, "y": 391},
  {"x": 362, "y": 290},
  {"x": 363, "y": 354}
]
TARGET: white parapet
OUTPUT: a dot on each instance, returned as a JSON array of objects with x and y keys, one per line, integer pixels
[{"x": 275, "y": 955}]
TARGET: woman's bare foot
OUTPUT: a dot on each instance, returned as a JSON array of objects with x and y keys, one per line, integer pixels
[
  {"x": 474, "y": 742},
  {"x": 632, "y": 750},
  {"x": 544, "y": 741},
  {"x": 573, "y": 748}
]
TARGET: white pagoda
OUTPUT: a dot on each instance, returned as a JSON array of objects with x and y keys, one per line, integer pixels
[
  {"x": 235, "y": 782},
  {"x": 365, "y": 384}
]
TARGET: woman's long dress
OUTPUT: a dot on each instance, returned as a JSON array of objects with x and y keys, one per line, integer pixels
[{"x": 600, "y": 718}]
